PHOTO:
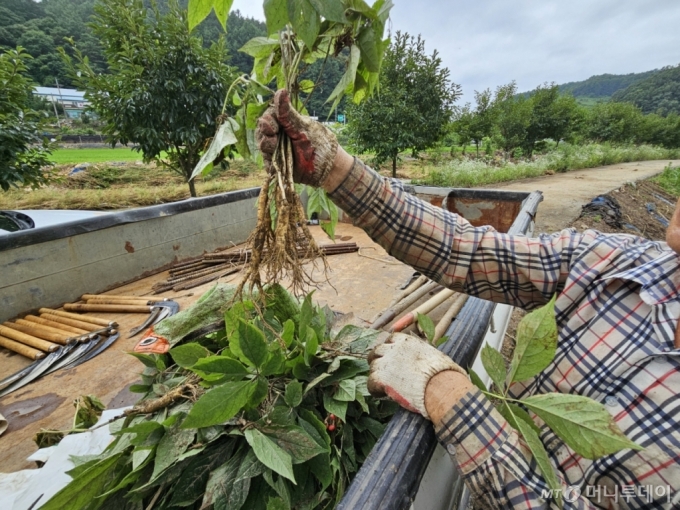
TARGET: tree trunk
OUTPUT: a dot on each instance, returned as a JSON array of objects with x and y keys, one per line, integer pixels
[
  {"x": 192, "y": 188},
  {"x": 477, "y": 145},
  {"x": 394, "y": 166}
]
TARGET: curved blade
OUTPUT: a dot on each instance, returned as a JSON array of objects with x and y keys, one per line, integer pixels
[
  {"x": 101, "y": 346},
  {"x": 39, "y": 370},
  {"x": 151, "y": 319}
]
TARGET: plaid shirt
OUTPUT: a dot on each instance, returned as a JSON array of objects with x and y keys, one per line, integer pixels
[{"x": 617, "y": 310}]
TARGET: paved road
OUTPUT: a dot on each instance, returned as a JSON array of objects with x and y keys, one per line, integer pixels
[{"x": 564, "y": 194}]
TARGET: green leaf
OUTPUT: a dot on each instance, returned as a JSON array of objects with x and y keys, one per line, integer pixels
[
  {"x": 139, "y": 388},
  {"x": 306, "y": 314},
  {"x": 512, "y": 413},
  {"x": 288, "y": 334},
  {"x": 220, "y": 404},
  {"x": 146, "y": 359},
  {"x": 346, "y": 391},
  {"x": 260, "y": 47},
  {"x": 427, "y": 326},
  {"x": 358, "y": 340},
  {"x": 198, "y": 11},
  {"x": 188, "y": 354},
  {"x": 173, "y": 444},
  {"x": 270, "y": 454},
  {"x": 306, "y": 86},
  {"x": 276, "y": 504},
  {"x": 582, "y": 423},
  {"x": 275, "y": 364},
  {"x": 494, "y": 364},
  {"x": 228, "y": 367},
  {"x": 276, "y": 14},
  {"x": 249, "y": 345},
  {"x": 222, "y": 8},
  {"x": 82, "y": 490},
  {"x": 258, "y": 394},
  {"x": 253, "y": 112},
  {"x": 371, "y": 49},
  {"x": 293, "y": 395},
  {"x": 536, "y": 343},
  {"x": 476, "y": 380},
  {"x": 541, "y": 457},
  {"x": 332, "y": 10},
  {"x": 223, "y": 137},
  {"x": 224, "y": 490},
  {"x": 335, "y": 407},
  {"x": 311, "y": 345},
  {"x": 295, "y": 441},
  {"x": 347, "y": 78},
  {"x": 315, "y": 428},
  {"x": 305, "y": 21}
]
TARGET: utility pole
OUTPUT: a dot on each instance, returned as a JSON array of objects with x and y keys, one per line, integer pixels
[{"x": 61, "y": 98}]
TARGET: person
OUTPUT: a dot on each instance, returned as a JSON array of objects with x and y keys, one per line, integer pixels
[{"x": 617, "y": 310}]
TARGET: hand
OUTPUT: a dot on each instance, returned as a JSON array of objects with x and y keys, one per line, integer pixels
[
  {"x": 314, "y": 145},
  {"x": 402, "y": 367}
]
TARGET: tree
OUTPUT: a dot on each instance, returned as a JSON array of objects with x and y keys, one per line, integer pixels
[
  {"x": 613, "y": 122},
  {"x": 512, "y": 114},
  {"x": 164, "y": 91},
  {"x": 413, "y": 107},
  {"x": 482, "y": 121},
  {"x": 23, "y": 153},
  {"x": 551, "y": 116}
]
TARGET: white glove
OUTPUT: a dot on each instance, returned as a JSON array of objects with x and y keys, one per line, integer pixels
[{"x": 402, "y": 367}]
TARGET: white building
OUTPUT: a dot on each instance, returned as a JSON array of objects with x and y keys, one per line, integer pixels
[{"x": 72, "y": 100}]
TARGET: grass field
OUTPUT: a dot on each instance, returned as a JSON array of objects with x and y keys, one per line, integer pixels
[{"x": 75, "y": 156}]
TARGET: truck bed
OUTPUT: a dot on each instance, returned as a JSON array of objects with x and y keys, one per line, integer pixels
[{"x": 361, "y": 283}]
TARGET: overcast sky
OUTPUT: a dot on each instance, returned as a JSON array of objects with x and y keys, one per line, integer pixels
[{"x": 486, "y": 43}]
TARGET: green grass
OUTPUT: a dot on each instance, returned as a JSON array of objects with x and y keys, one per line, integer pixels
[
  {"x": 669, "y": 180},
  {"x": 470, "y": 173},
  {"x": 75, "y": 156}
]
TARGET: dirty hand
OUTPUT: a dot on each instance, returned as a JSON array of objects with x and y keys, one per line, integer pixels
[
  {"x": 402, "y": 367},
  {"x": 314, "y": 145}
]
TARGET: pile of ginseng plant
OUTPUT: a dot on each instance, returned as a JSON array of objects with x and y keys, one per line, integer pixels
[{"x": 270, "y": 413}]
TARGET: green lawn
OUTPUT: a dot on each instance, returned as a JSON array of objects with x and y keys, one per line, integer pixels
[{"x": 75, "y": 156}]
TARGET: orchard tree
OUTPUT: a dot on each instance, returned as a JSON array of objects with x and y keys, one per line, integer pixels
[
  {"x": 23, "y": 152},
  {"x": 461, "y": 126},
  {"x": 552, "y": 116},
  {"x": 164, "y": 91},
  {"x": 482, "y": 122},
  {"x": 512, "y": 114},
  {"x": 413, "y": 107}
]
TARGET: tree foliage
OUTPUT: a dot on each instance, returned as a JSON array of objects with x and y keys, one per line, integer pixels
[
  {"x": 603, "y": 85},
  {"x": 413, "y": 106},
  {"x": 658, "y": 93},
  {"x": 23, "y": 152},
  {"x": 164, "y": 90}
]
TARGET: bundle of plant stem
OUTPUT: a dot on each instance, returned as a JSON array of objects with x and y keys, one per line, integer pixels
[{"x": 270, "y": 413}]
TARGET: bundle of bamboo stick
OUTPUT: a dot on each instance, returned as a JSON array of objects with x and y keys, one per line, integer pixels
[{"x": 212, "y": 266}]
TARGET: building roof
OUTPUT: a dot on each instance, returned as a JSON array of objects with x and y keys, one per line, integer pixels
[{"x": 61, "y": 94}]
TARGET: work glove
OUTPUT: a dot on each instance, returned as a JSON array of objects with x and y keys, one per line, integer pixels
[
  {"x": 402, "y": 367},
  {"x": 314, "y": 145}
]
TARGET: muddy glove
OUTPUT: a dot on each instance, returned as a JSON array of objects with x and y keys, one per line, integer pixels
[
  {"x": 402, "y": 367},
  {"x": 314, "y": 145}
]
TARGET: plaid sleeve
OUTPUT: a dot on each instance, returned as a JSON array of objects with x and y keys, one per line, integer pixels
[
  {"x": 448, "y": 249},
  {"x": 496, "y": 465}
]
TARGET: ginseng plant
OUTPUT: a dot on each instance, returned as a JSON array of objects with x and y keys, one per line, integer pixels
[{"x": 299, "y": 33}]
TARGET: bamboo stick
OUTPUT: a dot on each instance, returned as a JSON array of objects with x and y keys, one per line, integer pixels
[
  {"x": 19, "y": 348},
  {"x": 84, "y": 318},
  {"x": 29, "y": 340},
  {"x": 416, "y": 284},
  {"x": 392, "y": 312},
  {"x": 425, "y": 308},
  {"x": 450, "y": 314}
]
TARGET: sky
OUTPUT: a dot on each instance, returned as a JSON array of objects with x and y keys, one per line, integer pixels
[{"x": 486, "y": 43}]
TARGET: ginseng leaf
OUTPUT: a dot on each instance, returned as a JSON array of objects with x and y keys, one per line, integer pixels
[
  {"x": 293, "y": 395},
  {"x": 228, "y": 367},
  {"x": 270, "y": 454},
  {"x": 512, "y": 413},
  {"x": 276, "y": 14},
  {"x": 305, "y": 20},
  {"x": 295, "y": 441},
  {"x": 582, "y": 423},
  {"x": 222, "y": 8},
  {"x": 476, "y": 380},
  {"x": 220, "y": 404},
  {"x": 188, "y": 354},
  {"x": 335, "y": 407},
  {"x": 536, "y": 343},
  {"x": 541, "y": 457},
  {"x": 250, "y": 345},
  {"x": 332, "y": 10},
  {"x": 82, "y": 490},
  {"x": 224, "y": 491},
  {"x": 494, "y": 365},
  {"x": 198, "y": 10},
  {"x": 427, "y": 326}
]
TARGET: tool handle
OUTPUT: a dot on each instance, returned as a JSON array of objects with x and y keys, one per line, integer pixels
[
  {"x": 20, "y": 348},
  {"x": 88, "y": 297},
  {"x": 40, "y": 333},
  {"x": 32, "y": 341},
  {"x": 102, "y": 301},
  {"x": 56, "y": 325},
  {"x": 84, "y": 318},
  {"x": 86, "y": 326},
  {"x": 59, "y": 335},
  {"x": 75, "y": 307}
]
